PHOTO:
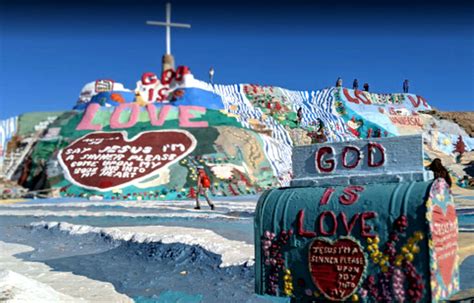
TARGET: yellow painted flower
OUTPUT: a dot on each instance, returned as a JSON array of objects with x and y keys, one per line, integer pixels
[
  {"x": 355, "y": 298},
  {"x": 429, "y": 216},
  {"x": 288, "y": 286},
  {"x": 418, "y": 235},
  {"x": 416, "y": 249},
  {"x": 429, "y": 203},
  {"x": 447, "y": 142}
]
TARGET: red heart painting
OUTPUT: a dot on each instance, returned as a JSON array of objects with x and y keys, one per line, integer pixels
[
  {"x": 106, "y": 160},
  {"x": 445, "y": 240},
  {"x": 336, "y": 267}
]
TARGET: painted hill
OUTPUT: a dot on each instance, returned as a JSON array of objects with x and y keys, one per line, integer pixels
[
  {"x": 148, "y": 142},
  {"x": 464, "y": 119}
]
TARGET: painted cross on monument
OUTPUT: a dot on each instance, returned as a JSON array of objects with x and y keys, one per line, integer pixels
[{"x": 168, "y": 60}]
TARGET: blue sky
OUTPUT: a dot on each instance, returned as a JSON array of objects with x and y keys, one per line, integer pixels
[{"x": 49, "y": 50}]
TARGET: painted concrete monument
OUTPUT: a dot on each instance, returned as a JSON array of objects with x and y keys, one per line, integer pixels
[{"x": 363, "y": 237}]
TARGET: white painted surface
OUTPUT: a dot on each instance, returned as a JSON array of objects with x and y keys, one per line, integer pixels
[{"x": 36, "y": 282}]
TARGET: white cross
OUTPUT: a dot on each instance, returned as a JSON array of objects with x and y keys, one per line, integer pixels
[{"x": 168, "y": 25}]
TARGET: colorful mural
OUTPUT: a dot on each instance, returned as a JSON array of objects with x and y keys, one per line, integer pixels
[
  {"x": 130, "y": 152},
  {"x": 8, "y": 129},
  {"x": 371, "y": 115},
  {"x": 109, "y": 160},
  {"x": 372, "y": 238},
  {"x": 244, "y": 133},
  {"x": 444, "y": 260}
]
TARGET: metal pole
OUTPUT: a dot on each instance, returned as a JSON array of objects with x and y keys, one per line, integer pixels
[{"x": 168, "y": 28}]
